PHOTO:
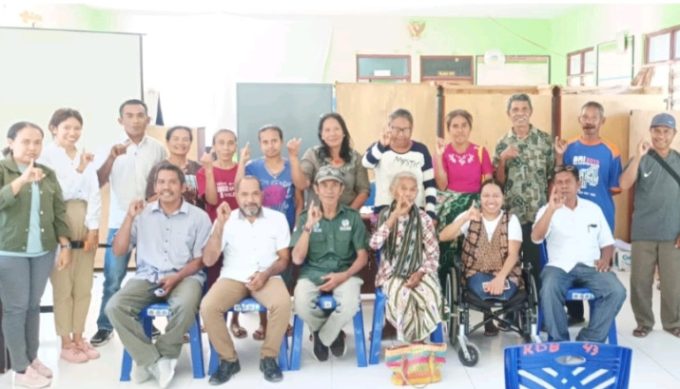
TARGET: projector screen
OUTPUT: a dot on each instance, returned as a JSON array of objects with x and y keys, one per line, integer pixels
[{"x": 93, "y": 72}]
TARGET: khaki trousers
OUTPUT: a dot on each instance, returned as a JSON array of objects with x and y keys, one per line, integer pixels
[
  {"x": 72, "y": 285},
  {"x": 646, "y": 256},
  {"x": 225, "y": 293}
]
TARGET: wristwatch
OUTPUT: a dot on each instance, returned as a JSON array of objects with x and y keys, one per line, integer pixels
[
  {"x": 65, "y": 246},
  {"x": 307, "y": 229}
]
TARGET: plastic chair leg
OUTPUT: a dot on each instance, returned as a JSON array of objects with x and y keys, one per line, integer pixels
[
  {"x": 196, "y": 344},
  {"x": 377, "y": 328},
  {"x": 437, "y": 336},
  {"x": 359, "y": 339},
  {"x": 296, "y": 347}
]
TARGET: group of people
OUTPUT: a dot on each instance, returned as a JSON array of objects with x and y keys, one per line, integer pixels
[{"x": 209, "y": 233}]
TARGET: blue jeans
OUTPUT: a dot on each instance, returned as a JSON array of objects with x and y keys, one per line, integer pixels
[
  {"x": 475, "y": 285},
  {"x": 115, "y": 268},
  {"x": 609, "y": 297}
]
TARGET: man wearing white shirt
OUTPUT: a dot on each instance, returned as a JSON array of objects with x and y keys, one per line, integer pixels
[
  {"x": 255, "y": 245},
  {"x": 580, "y": 247},
  {"x": 125, "y": 168}
]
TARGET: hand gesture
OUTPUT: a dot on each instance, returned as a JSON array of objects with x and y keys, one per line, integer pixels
[
  {"x": 257, "y": 281},
  {"x": 120, "y": 149},
  {"x": 223, "y": 213},
  {"x": 85, "y": 159},
  {"x": 136, "y": 207},
  {"x": 643, "y": 148},
  {"x": 510, "y": 152},
  {"x": 440, "y": 147},
  {"x": 403, "y": 207},
  {"x": 560, "y": 146},
  {"x": 333, "y": 280},
  {"x": 64, "y": 259},
  {"x": 91, "y": 241},
  {"x": 32, "y": 174},
  {"x": 245, "y": 153},
  {"x": 207, "y": 159},
  {"x": 414, "y": 280},
  {"x": 556, "y": 199},
  {"x": 473, "y": 214},
  {"x": 314, "y": 214},
  {"x": 168, "y": 283},
  {"x": 293, "y": 146},
  {"x": 385, "y": 137}
]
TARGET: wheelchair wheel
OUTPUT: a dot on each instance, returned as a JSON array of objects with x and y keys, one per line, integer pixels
[
  {"x": 473, "y": 351},
  {"x": 453, "y": 318}
]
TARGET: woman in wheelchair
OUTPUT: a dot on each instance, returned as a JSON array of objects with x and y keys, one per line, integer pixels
[
  {"x": 410, "y": 257},
  {"x": 491, "y": 266}
]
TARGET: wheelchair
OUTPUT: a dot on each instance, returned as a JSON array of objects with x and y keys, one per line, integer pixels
[{"x": 523, "y": 305}]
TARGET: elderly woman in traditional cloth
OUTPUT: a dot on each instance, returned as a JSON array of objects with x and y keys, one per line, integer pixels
[
  {"x": 460, "y": 168},
  {"x": 410, "y": 257},
  {"x": 491, "y": 267}
]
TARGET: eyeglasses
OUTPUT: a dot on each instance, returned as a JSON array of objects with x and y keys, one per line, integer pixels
[{"x": 565, "y": 168}]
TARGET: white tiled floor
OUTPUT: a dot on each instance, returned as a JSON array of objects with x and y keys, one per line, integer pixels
[{"x": 655, "y": 360}]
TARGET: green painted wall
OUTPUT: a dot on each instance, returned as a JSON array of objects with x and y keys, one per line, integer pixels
[{"x": 589, "y": 25}]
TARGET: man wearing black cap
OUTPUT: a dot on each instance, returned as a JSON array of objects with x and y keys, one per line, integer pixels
[
  {"x": 655, "y": 231},
  {"x": 330, "y": 244}
]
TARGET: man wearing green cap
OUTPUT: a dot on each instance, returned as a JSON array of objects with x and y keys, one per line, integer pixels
[{"x": 329, "y": 242}]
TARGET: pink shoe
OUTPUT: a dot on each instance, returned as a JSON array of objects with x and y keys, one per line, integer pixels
[
  {"x": 41, "y": 369},
  {"x": 31, "y": 379},
  {"x": 74, "y": 355},
  {"x": 88, "y": 349}
]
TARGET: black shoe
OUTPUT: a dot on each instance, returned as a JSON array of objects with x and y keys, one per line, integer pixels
[
  {"x": 224, "y": 372},
  {"x": 155, "y": 332},
  {"x": 338, "y": 347},
  {"x": 101, "y": 337},
  {"x": 572, "y": 321},
  {"x": 320, "y": 350},
  {"x": 271, "y": 370}
]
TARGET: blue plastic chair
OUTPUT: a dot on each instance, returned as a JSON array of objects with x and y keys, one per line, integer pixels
[
  {"x": 379, "y": 322},
  {"x": 567, "y": 365},
  {"x": 326, "y": 302},
  {"x": 582, "y": 294},
  {"x": 370, "y": 201},
  {"x": 248, "y": 304},
  {"x": 195, "y": 341}
]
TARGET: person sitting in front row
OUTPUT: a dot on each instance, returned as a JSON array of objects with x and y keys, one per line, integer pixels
[
  {"x": 255, "y": 241},
  {"x": 491, "y": 249},
  {"x": 410, "y": 258},
  {"x": 580, "y": 247},
  {"x": 169, "y": 235},
  {"x": 330, "y": 244}
]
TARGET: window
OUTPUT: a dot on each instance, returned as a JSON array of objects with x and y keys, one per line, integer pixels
[
  {"x": 384, "y": 68},
  {"x": 662, "y": 51},
  {"x": 581, "y": 67}
]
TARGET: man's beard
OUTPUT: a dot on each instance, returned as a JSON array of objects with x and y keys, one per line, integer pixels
[{"x": 251, "y": 210}]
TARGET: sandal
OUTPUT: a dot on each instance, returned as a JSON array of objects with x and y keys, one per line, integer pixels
[
  {"x": 641, "y": 332},
  {"x": 490, "y": 329},
  {"x": 238, "y": 331},
  {"x": 674, "y": 331},
  {"x": 259, "y": 334}
]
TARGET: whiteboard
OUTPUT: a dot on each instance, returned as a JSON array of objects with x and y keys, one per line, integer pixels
[
  {"x": 43, "y": 70},
  {"x": 517, "y": 70},
  {"x": 615, "y": 66}
]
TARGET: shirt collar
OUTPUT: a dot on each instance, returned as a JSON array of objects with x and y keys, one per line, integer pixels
[
  {"x": 183, "y": 208},
  {"x": 531, "y": 131}
]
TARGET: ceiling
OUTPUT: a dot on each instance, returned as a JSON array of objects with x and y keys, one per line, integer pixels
[{"x": 431, "y": 8}]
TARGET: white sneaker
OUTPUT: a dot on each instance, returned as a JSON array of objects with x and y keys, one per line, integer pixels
[
  {"x": 140, "y": 374},
  {"x": 31, "y": 379},
  {"x": 41, "y": 369},
  {"x": 163, "y": 370}
]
